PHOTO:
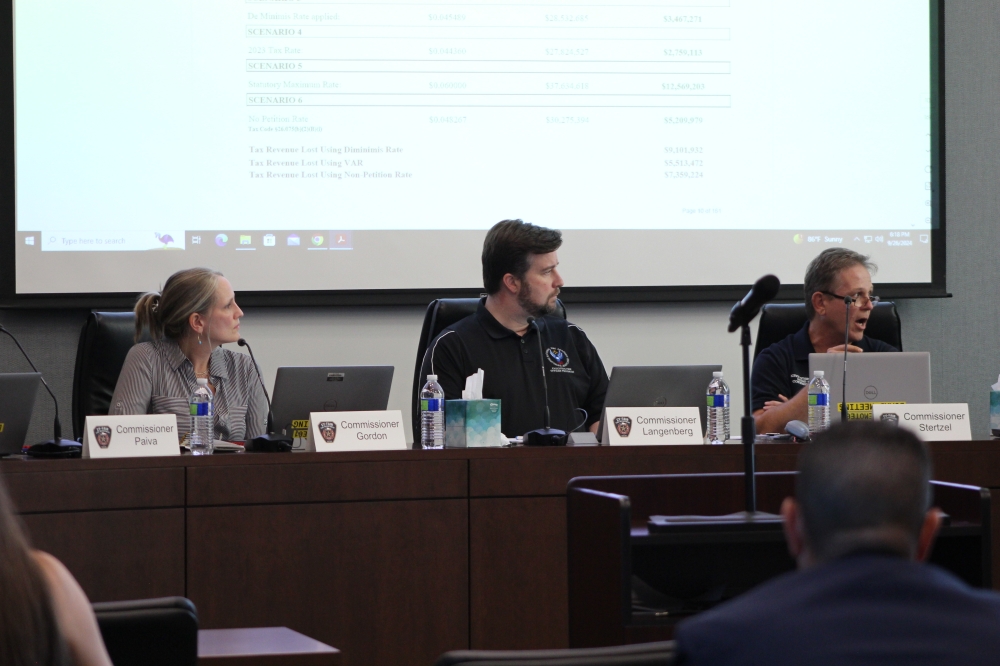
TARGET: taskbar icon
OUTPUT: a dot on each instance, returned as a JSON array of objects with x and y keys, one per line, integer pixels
[{"x": 250, "y": 240}]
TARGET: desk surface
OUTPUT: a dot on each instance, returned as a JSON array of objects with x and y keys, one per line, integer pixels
[{"x": 263, "y": 646}]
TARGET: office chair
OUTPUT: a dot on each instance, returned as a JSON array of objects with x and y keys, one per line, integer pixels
[
  {"x": 104, "y": 343},
  {"x": 778, "y": 321},
  {"x": 642, "y": 654},
  {"x": 442, "y": 313},
  {"x": 149, "y": 632}
]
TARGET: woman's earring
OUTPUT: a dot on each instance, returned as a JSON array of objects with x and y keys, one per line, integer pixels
[{"x": 199, "y": 339}]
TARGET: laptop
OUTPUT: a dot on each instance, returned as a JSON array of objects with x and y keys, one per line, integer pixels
[
  {"x": 875, "y": 377},
  {"x": 301, "y": 390},
  {"x": 17, "y": 401},
  {"x": 658, "y": 386}
]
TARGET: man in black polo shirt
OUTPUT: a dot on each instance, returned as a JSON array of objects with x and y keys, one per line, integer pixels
[
  {"x": 521, "y": 279},
  {"x": 782, "y": 370}
]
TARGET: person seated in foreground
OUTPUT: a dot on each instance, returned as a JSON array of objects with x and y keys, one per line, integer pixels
[
  {"x": 781, "y": 371},
  {"x": 188, "y": 322},
  {"x": 45, "y": 618},
  {"x": 860, "y": 528},
  {"x": 521, "y": 277}
]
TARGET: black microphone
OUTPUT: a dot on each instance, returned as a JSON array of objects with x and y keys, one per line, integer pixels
[
  {"x": 57, "y": 447},
  {"x": 848, "y": 302},
  {"x": 546, "y": 436},
  {"x": 744, "y": 311},
  {"x": 269, "y": 443}
]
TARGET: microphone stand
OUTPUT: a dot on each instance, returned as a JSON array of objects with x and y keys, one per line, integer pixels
[
  {"x": 748, "y": 429},
  {"x": 546, "y": 436},
  {"x": 57, "y": 447},
  {"x": 848, "y": 302},
  {"x": 745, "y": 310},
  {"x": 269, "y": 443}
]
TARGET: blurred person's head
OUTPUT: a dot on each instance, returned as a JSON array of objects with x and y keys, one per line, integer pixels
[
  {"x": 29, "y": 634},
  {"x": 862, "y": 486}
]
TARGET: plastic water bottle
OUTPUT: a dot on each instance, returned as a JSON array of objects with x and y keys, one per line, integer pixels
[
  {"x": 819, "y": 403},
  {"x": 717, "y": 400},
  {"x": 432, "y": 414},
  {"x": 202, "y": 435}
]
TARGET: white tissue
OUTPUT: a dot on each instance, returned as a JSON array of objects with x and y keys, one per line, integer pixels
[
  {"x": 996, "y": 387},
  {"x": 474, "y": 386}
]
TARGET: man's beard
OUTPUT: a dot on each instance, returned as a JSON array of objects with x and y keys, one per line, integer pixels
[{"x": 533, "y": 309}]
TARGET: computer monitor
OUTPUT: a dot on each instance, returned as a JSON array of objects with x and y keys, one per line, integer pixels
[
  {"x": 658, "y": 386},
  {"x": 874, "y": 377},
  {"x": 301, "y": 390},
  {"x": 17, "y": 401}
]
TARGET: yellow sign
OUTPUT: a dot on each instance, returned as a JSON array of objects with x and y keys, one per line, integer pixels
[
  {"x": 300, "y": 428},
  {"x": 862, "y": 410},
  {"x": 1, "y": 427}
]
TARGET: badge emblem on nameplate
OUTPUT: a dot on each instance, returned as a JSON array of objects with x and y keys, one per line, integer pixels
[
  {"x": 623, "y": 425},
  {"x": 328, "y": 431},
  {"x": 102, "y": 434}
]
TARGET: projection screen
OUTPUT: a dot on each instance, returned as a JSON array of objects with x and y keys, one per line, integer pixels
[{"x": 324, "y": 148}]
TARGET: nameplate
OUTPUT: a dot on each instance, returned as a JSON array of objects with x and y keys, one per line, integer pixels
[
  {"x": 140, "y": 436},
  {"x": 931, "y": 423},
  {"x": 635, "y": 426},
  {"x": 356, "y": 431}
]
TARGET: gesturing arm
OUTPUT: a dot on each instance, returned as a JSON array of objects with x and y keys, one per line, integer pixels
[{"x": 774, "y": 416}]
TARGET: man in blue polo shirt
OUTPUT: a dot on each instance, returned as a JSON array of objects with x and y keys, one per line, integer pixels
[
  {"x": 782, "y": 370},
  {"x": 520, "y": 273}
]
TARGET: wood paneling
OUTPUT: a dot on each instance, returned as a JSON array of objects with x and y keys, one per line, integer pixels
[
  {"x": 92, "y": 490},
  {"x": 326, "y": 482},
  {"x": 116, "y": 555},
  {"x": 518, "y": 573},
  {"x": 383, "y": 582},
  {"x": 528, "y": 472}
]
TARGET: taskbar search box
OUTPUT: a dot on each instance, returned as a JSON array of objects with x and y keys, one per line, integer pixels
[{"x": 107, "y": 240}]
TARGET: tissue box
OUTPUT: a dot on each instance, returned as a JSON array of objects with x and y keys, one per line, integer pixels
[
  {"x": 471, "y": 423},
  {"x": 995, "y": 413}
]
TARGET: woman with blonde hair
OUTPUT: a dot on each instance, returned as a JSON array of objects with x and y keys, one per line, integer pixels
[
  {"x": 45, "y": 618},
  {"x": 188, "y": 322}
]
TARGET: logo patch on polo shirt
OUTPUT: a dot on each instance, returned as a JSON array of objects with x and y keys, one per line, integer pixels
[{"x": 557, "y": 357}]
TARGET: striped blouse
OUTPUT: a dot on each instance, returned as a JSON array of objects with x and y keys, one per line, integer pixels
[{"x": 158, "y": 378}]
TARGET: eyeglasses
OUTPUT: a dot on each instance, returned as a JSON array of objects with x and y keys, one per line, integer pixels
[{"x": 858, "y": 300}]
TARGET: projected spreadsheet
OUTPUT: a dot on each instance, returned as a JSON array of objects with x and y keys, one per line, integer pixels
[
  {"x": 655, "y": 134},
  {"x": 565, "y": 56}
]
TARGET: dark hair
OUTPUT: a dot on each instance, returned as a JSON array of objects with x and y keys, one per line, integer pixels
[
  {"x": 185, "y": 293},
  {"x": 824, "y": 270},
  {"x": 508, "y": 248},
  {"x": 863, "y": 484},
  {"x": 29, "y": 633}
]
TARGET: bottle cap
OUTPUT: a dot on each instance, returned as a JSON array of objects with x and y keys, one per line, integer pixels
[
  {"x": 432, "y": 378},
  {"x": 202, "y": 381},
  {"x": 717, "y": 375},
  {"x": 818, "y": 373}
]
